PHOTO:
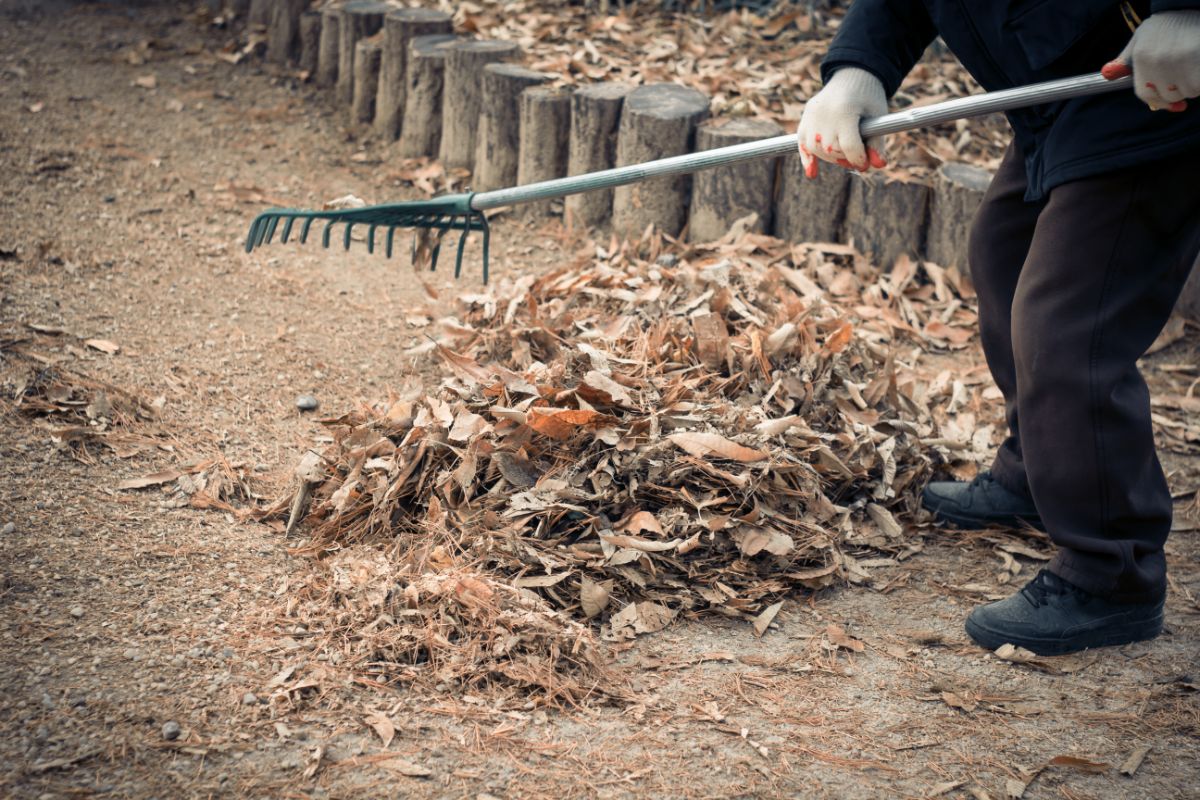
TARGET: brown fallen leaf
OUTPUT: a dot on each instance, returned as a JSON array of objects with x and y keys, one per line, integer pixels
[
  {"x": 103, "y": 345},
  {"x": 382, "y": 726},
  {"x": 1078, "y": 763},
  {"x": 593, "y": 596},
  {"x": 764, "y": 620},
  {"x": 957, "y": 700},
  {"x": 156, "y": 479},
  {"x": 713, "y": 444},
  {"x": 838, "y": 637},
  {"x": 562, "y": 423},
  {"x": 1130, "y": 765},
  {"x": 639, "y": 522},
  {"x": 405, "y": 767}
]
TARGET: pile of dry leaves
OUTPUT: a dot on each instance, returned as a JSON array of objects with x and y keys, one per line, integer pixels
[{"x": 625, "y": 440}]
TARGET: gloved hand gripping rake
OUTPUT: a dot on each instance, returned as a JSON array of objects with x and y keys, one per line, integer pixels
[{"x": 465, "y": 212}]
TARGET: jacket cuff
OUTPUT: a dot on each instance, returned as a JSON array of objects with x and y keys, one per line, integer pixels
[{"x": 881, "y": 68}]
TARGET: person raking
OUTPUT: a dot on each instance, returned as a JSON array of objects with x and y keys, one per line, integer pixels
[{"x": 1078, "y": 253}]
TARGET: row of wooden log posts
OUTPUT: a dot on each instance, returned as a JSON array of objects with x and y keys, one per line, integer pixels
[{"x": 466, "y": 102}]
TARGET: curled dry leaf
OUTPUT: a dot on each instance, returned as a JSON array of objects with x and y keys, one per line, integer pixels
[
  {"x": 104, "y": 346},
  {"x": 703, "y": 445}
]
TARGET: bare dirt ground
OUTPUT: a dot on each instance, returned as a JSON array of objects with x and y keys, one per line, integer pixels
[{"x": 123, "y": 201}]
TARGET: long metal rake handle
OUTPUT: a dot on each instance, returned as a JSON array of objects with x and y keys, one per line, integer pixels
[{"x": 908, "y": 119}]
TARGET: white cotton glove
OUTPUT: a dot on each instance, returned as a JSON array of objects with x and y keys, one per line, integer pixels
[
  {"x": 1164, "y": 58},
  {"x": 829, "y": 126}
]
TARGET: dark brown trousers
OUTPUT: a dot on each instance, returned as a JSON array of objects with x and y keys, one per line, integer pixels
[{"x": 1072, "y": 291}]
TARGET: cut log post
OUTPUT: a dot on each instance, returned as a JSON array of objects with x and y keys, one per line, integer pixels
[
  {"x": 722, "y": 196},
  {"x": 657, "y": 121},
  {"x": 499, "y": 136},
  {"x": 421, "y": 132},
  {"x": 259, "y": 12},
  {"x": 462, "y": 96},
  {"x": 595, "y": 122},
  {"x": 367, "y": 54},
  {"x": 811, "y": 210},
  {"x": 545, "y": 131},
  {"x": 283, "y": 31},
  {"x": 327, "y": 51},
  {"x": 358, "y": 20},
  {"x": 399, "y": 28},
  {"x": 957, "y": 192},
  {"x": 310, "y": 41},
  {"x": 886, "y": 219}
]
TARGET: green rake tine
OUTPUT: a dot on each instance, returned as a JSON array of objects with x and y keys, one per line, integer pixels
[
  {"x": 371, "y": 237},
  {"x": 462, "y": 244},
  {"x": 487, "y": 236},
  {"x": 391, "y": 235},
  {"x": 346, "y": 235},
  {"x": 304, "y": 230},
  {"x": 287, "y": 229},
  {"x": 271, "y": 228},
  {"x": 325, "y": 233}
]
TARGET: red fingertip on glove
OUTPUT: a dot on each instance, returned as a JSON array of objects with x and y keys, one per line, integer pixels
[
  {"x": 1115, "y": 69},
  {"x": 877, "y": 161},
  {"x": 1177, "y": 106}
]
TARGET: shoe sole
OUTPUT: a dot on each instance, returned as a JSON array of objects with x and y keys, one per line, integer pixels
[
  {"x": 969, "y": 522},
  {"x": 1126, "y": 632}
]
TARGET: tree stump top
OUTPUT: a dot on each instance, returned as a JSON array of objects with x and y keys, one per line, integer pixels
[
  {"x": 967, "y": 175},
  {"x": 418, "y": 15},
  {"x": 666, "y": 101},
  {"x": 434, "y": 44},
  {"x": 366, "y": 7},
  {"x": 741, "y": 128},
  {"x": 605, "y": 91},
  {"x": 516, "y": 71},
  {"x": 485, "y": 46}
]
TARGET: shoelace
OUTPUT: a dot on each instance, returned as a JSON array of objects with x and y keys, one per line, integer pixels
[{"x": 1046, "y": 585}]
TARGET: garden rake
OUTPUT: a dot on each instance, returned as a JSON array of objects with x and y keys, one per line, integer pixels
[{"x": 465, "y": 212}]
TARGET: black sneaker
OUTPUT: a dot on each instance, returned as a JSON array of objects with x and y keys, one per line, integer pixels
[
  {"x": 982, "y": 503},
  {"x": 1051, "y": 617}
]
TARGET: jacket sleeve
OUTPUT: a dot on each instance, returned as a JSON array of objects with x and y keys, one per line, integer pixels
[
  {"x": 1173, "y": 5},
  {"x": 884, "y": 37}
]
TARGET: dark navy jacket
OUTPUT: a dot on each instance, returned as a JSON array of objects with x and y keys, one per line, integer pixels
[{"x": 1006, "y": 43}]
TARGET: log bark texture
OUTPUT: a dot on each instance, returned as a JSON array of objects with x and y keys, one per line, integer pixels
[
  {"x": 499, "y": 135},
  {"x": 886, "y": 219},
  {"x": 400, "y": 27},
  {"x": 462, "y": 97},
  {"x": 327, "y": 51},
  {"x": 421, "y": 133},
  {"x": 259, "y": 12},
  {"x": 595, "y": 122},
  {"x": 657, "y": 120},
  {"x": 722, "y": 196},
  {"x": 957, "y": 192},
  {"x": 367, "y": 54},
  {"x": 283, "y": 30},
  {"x": 811, "y": 210},
  {"x": 310, "y": 41},
  {"x": 359, "y": 19},
  {"x": 545, "y": 132}
]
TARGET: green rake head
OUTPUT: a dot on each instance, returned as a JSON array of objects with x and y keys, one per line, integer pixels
[{"x": 450, "y": 212}]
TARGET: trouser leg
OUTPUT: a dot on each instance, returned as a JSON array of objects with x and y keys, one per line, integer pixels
[
  {"x": 1001, "y": 235},
  {"x": 1108, "y": 260}
]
